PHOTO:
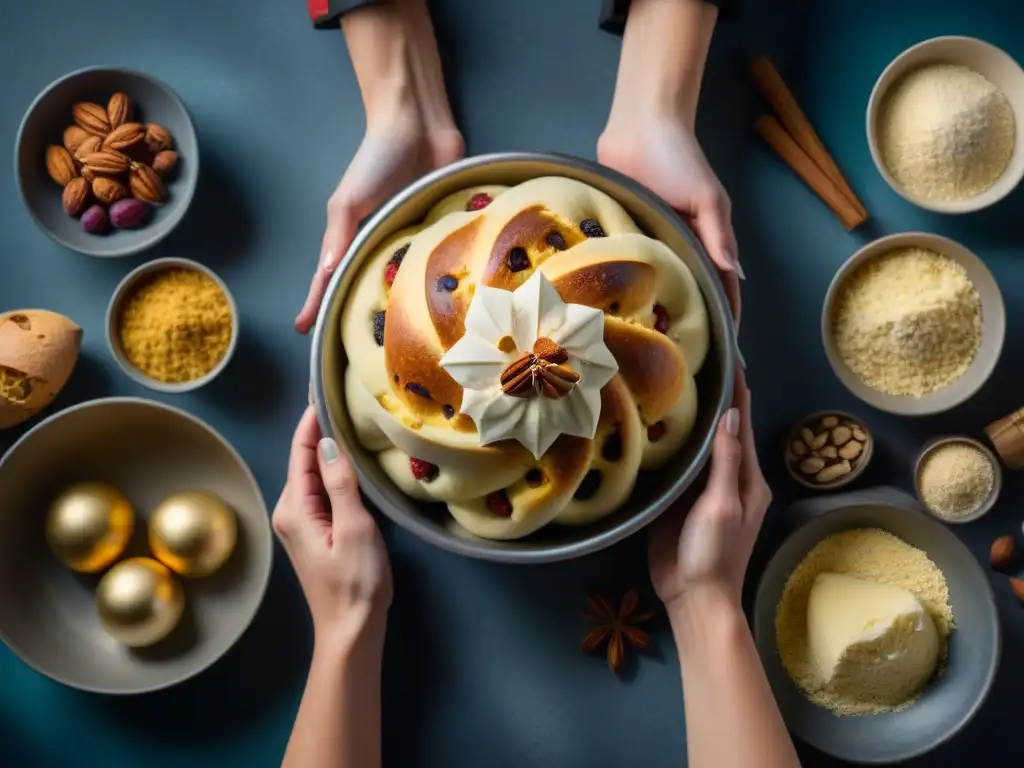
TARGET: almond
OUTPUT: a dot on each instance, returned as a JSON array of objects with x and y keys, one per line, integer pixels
[
  {"x": 1001, "y": 554},
  {"x": 1017, "y": 585},
  {"x": 119, "y": 110},
  {"x": 165, "y": 161},
  {"x": 158, "y": 138},
  {"x": 91, "y": 117},
  {"x": 124, "y": 136},
  {"x": 109, "y": 190},
  {"x": 87, "y": 147},
  {"x": 73, "y": 137},
  {"x": 76, "y": 196},
  {"x": 108, "y": 161},
  {"x": 59, "y": 165},
  {"x": 146, "y": 184}
]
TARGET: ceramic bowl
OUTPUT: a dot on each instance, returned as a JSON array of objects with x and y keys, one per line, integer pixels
[
  {"x": 997, "y": 472},
  {"x": 123, "y": 291},
  {"x": 993, "y": 319},
  {"x": 861, "y": 462},
  {"x": 148, "y": 451},
  {"x": 44, "y": 124},
  {"x": 952, "y": 698},
  {"x": 655, "y": 490},
  {"x": 986, "y": 59}
]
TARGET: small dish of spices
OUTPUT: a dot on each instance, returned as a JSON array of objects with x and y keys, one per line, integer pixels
[
  {"x": 172, "y": 325},
  {"x": 957, "y": 478},
  {"x": 828, "y": 450}
]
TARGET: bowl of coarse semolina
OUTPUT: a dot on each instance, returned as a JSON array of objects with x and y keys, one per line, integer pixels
[
  {"x": 913, "y": 324},
  {"x": 945, "y": 124}
]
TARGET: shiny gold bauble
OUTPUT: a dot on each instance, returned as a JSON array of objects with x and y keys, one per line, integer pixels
[
  {"x": 89, "y": 525},
  {"x": 193, "y": 533},
  {"x": 139, "y": 601}
]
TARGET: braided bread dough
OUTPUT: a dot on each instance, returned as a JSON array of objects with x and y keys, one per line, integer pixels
[{"x": 405, "y": 407}]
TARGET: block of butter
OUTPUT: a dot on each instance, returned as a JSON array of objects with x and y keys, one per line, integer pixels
[{"x": 871, "y": 642}]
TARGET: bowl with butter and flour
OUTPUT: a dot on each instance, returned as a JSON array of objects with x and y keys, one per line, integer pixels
[{"x": 526, "y": 357}]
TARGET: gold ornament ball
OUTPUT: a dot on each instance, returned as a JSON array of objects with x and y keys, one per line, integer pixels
[
  {"x": 193, "y": 533},
  {"x": 139, "y": 602},
  {"x": 89, "y": 525}
]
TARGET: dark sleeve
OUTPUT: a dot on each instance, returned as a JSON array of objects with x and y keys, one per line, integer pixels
[
  {"x": 614, "y": 13},
  {"x": 325, "y": 13}
]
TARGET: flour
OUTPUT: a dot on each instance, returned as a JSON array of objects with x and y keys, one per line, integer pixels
[{"x": 945, "y": 133}]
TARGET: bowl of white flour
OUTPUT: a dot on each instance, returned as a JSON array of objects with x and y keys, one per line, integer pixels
[{"x": 945, "y": 124}]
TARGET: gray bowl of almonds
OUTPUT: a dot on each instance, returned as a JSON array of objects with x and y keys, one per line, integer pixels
[
  {"x": 107, "y": 161},
  {"x": 828, "y": 450}
]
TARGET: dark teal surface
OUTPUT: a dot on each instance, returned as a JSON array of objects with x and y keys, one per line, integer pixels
[{"x": 482, "y": 665}]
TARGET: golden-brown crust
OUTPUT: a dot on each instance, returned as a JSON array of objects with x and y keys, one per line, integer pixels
[
  {"x": 415, "y": 372},
  {"x": 449, "y": 258},
  {"x": 530, "y": 230},
  {"x": 649, "y": 364},
  {"x": 617, "y": 287}
]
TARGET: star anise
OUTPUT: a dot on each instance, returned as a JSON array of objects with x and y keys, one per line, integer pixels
[{"x": 617, "y": 628}]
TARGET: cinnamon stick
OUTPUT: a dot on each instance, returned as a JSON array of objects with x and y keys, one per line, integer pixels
[
  {"x": 775, "y": 91},
  {"x": 786, "y": 147},
  {"x": 1007, "y": 436}
]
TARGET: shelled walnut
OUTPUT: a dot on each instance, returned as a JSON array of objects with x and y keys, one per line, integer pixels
[{"x": 828, "y": 449}]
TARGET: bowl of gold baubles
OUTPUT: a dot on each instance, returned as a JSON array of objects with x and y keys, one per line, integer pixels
[{"x": 126, "y": 527}]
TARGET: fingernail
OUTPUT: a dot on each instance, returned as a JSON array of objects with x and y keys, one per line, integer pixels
[
  {"x": 732, "y": 421},
  {"x": 329, "y": 449},
  {"x": 328, "y": 261},
  {"x": 312, "y": 399}
]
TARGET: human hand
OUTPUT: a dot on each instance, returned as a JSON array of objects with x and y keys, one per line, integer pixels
[
  {"x": 707, "y": 549},
  {"x": 661, "y": 151},
  {"x": 332, "y": 541},
  {"x": 397, "y": 149}
]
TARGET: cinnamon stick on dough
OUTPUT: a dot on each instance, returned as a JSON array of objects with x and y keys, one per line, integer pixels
[
  {"x": 775, "y": 91},
  {"x": 786, "y": 147}
]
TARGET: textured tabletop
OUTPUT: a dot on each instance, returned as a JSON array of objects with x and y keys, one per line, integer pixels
[{"x": 482, "y": 665}]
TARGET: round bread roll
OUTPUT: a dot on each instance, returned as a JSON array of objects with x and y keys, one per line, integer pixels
[{"x": 408, "y": 306}]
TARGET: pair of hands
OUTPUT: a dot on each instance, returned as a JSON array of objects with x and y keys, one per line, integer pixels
[
  {"x": 660, "y": 152},
  {"x": 341, "y": 562}
]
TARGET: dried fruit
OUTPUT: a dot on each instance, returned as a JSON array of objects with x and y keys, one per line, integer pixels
[
  {"x": 89, "y": 145},
  {"x": 611, "y": 450},
  {"x": 656, "y": 431},
  {"x": 109, "y": 190},
  {"x": 146, "y": 184},
  {"x": 391, "y": 271},
  {"x": 518, "y": 260},
  {"x": 119, "y": 109},
  {"x": 165, "y": 162},
  {"x": 94, "y": 220},
  {"x": 124, "y": 136},
  {"x": 1002, "y": 552},
  {"x": 73, "y": 137},
  {"x": 617, "y": 628},
  {"x": 556, "y": 241},
  {"x": 592, "y": 228},
  {"x": 59, "y": 165},
  {"x": 91, "y": 117},
  {"x": 418, "y": 389},
  {"x": 108, "y": 161},
  {"x": 589, "y": 486},
  {"x": 534, "y": 478},
  {"x": 128, "y": 213},
  {"x": 660, "y": 319},
  {"x": 158, "y": 138},
  {"x": 448, "y": 411},
  {"x": 478, "y": 201},
  {"x": 423, "y": 470},
  {"x": 498, "y": 503},
  {"x": 447, "y": 283},
  {"x": 76, "y": 196},
  {"x": 1017, "y": 585},
  {"x": 378, "y": 328}
]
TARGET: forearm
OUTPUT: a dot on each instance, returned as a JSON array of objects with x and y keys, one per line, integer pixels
[
  {"x": 396, "y": 61},
  {"x": 339, "y": 719},
  {"x": 732, "y": 720},
  {"x": 664, "y": 49}
]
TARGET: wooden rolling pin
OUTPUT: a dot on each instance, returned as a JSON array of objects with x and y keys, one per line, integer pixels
[{"x": 786, "y": 147}]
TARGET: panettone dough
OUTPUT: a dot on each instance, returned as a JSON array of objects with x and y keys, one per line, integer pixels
[{"x": 404, "y": 405}]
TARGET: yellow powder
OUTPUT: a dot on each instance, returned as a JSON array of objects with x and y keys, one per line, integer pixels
[
  {"x": 176, "y": 325},
  {"x": 955, "y": 480},
  {"x": 908, "y": 322},
  {"x": 865, "y": 553}
]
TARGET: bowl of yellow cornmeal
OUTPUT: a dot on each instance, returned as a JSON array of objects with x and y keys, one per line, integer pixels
[{"x": 877, "y": 628}]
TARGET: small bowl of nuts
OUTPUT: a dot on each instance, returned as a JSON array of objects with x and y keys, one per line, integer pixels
[
  {"x": 107, "y": 161},
  {"x": 828, "y": 450}
]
